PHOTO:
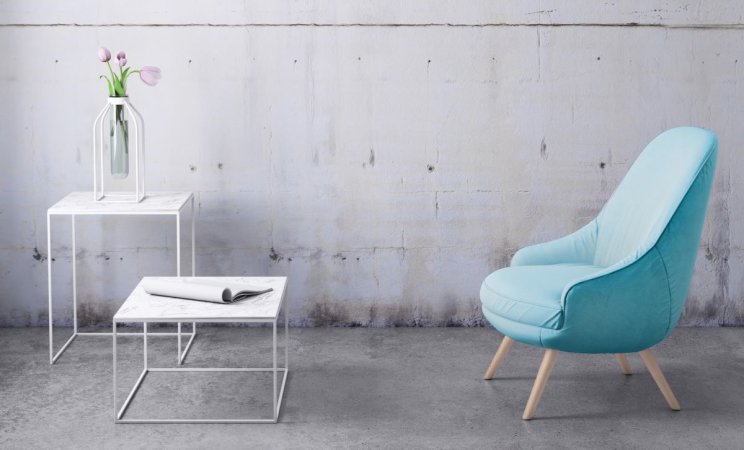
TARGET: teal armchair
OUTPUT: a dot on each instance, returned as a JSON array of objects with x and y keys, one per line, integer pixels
[{"x": 619, "y": 284}]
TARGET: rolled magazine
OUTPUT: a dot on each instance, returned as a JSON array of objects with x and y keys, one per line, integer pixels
[{"x": 215, "y": 291}]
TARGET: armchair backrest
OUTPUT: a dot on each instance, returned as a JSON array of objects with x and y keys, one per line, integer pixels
[{"x": 662, "y": 199}]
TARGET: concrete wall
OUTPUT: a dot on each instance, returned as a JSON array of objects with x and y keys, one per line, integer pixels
[{"x": 385, "y": 155}]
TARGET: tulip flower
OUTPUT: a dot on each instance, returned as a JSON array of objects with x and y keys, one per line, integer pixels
[
  {"x": 150, "y": 75},
  {"x": 117, "y": 83},
  {"x": 104, "y": 55}
]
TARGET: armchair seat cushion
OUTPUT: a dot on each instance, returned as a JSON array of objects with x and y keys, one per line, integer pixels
[{"x": 531, "y": 294}]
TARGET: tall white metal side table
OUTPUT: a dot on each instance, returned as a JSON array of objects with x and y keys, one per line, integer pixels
[
  {"x": 264, "y": 308},
  {"x": 83, "y": 204}
]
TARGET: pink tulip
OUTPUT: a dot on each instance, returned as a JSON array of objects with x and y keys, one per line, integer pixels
[
  {"x": 150, "y": 75},
  {"x": 104, "y": 55},
  {"x": 121, "y": 55},
  {"x": 122, "y": 62}
]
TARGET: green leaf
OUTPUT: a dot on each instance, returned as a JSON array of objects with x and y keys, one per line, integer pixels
[
  {"x": 124, "y": 76},
  {"x": 118, "y": 88},
  {"x": 108, "y": 83}
]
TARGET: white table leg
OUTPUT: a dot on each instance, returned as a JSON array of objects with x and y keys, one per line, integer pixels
[
  {"x": 113, "y": 333},
  {"x": 74, "y": 280},
  {"x": 193, "y": 253},
  {"x": 178, "y": 274},
  {"x": 178, "y": 244},
  {"x": 286, "y": 334},
  {"x": 193, "y": 240},
  {"x": 181, "y": 355},
  {"x": 53, "y": 357},
  {"x": 188, "y": 347},
  {"x": 178, "y": 355},
  {"x": 49, "y": 287},
  {"x": 144, "y": 342},
  {"x": 274, "y": 397},
  {"x": 120, "y": 413}
]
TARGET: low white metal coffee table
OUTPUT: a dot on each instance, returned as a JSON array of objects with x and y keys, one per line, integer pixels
[{"x": 145, "y": 308}]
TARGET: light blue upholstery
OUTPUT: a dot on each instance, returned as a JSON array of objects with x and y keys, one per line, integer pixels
[
  {"x": 619, "y": 284},
  {"x": 514, "y": 294}
]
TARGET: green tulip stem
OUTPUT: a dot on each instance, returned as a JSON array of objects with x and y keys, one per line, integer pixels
[{"x": 116, "y": 81}]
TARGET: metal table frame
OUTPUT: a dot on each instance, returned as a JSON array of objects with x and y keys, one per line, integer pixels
[
  {"x": 75, "y": 332},
  {"x": 276, "y": 396}
]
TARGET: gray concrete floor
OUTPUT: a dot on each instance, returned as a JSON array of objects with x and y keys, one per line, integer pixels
[{"x": 377, "y": 388}]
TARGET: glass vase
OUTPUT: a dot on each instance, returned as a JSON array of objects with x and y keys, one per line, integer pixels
[
  {"x": 118, "y": 153},
  {"x": 119, "y": 143}
]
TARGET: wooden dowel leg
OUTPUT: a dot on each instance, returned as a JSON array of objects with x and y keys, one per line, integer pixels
[
  {"x": 543, "y": 374},
  {"x": 498, "y": 358},
  {"x": 653, "y": 367},
  {"x": 624, "y": 364}
]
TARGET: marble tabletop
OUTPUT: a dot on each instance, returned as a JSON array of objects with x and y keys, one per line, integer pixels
[
  {"x": 153, "y": 203},
  {"x": 143, "y": 307}
]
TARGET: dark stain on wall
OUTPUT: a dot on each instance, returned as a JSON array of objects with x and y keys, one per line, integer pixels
[
  {"x": 97, "y": 314},
  {"x": 274, "y": 256},
  {"x": 38, "y": 256},
  {"x": 409, "y": 315},
  {"x": 372, "y": 314},
  {"x": 718, "y": 252},
  {"x": 323, "y": 313},
  {"x": 450, "y": 312},
  {"x": 329, "y": 314},
  {"x": 339, "y": 256},
  {"x": 503, "y": 256},
  {"x": 543, "y": 149}
]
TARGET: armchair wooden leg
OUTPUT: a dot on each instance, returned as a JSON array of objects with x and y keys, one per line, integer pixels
[
  {"x": 542, "y": 378},
  {"x": 498, "y": 358},
  {"x": 624, "y": 364},
  {"x": 653, "y": 367}
]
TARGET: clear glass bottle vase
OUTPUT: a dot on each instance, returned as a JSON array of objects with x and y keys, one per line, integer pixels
[
  {"x": 119, "y": 142},
  {"x": 118, "y": 153}
]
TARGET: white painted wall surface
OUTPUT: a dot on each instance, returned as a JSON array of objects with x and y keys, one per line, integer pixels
[{"x": 384, "y": 155}]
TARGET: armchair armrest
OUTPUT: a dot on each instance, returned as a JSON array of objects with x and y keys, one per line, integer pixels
[
  {"x": 623, "y": 308},
  {"x": 577, "y": 247}
]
